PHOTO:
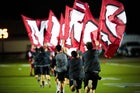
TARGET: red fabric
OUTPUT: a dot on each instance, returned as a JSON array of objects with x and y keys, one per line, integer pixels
[
  {"x": 62, "y": 23},
  {"x": 112, "y": 23},
  {"x": 61, "y": 36},
  {"x": 35, "y": 29},
  {"x": 48, "y": 32},
  {"x": 72, "y": 39},
  {"x": 53, "y": 31},
  {"x": 90, "y": 29},
  {"x": 67, "y": 21}
]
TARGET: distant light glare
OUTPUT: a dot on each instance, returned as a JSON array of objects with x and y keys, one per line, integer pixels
[{"x": 3, "y": 33}]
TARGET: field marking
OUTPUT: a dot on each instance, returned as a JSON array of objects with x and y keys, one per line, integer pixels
[
  {"x": 110, "y": 78},
  {"x": 122, "y": 85},
  {"x": 113, "y": 64},
  {"x": 4, "y": 65},
  {"x": 123, "y": 65},
  {"x": 137, "y": 92},
  {"x": 10, "y": 65},
  {"x": 25, "y": 65}
]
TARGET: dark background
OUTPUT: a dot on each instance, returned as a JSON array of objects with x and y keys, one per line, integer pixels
[{"x": 11, "y": 10}]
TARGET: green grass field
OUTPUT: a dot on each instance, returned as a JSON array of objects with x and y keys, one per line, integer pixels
[{"x": 118, "y": 76}]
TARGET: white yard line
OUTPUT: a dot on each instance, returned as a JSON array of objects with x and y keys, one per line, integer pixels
[
  {"x": 10, "y": 65},
  {"x": 122, "y": 85},
  {"x": 137, "y": 92},
  {"x": 123, "y": 65},
  {"x": 110, "y": 78}
]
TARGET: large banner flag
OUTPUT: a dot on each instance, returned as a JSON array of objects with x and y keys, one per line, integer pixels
[
  {"x": 73, "y": 27},
  {"x": 89, "y": 30},
  {"x": 51, "y": 38},
  {"x": 61, "y": 36},
  {"x": 35, "y": 29},
  {"x": 78, "y": 27},
  {"x": 112, "y": 23}
]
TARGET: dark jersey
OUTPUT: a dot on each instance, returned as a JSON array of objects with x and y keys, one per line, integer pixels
[
  {"x": 91, "y": 61},
  {"x": 75, "y": 68}
]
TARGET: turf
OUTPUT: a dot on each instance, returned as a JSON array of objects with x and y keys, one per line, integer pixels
[{"x": 118, "y": 76}]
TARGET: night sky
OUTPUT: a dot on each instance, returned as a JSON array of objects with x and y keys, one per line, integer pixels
[{"x": 11, "y": 10}]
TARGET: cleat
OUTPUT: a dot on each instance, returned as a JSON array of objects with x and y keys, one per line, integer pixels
[
  {"x": 38, "y": 80},
  {"x": 43, "y": 83},
  {"x": 49, "y": 83},
  {"x": 72, "y": 88}
]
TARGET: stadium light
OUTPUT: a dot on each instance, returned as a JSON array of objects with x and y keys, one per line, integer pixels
[{"x": 3, "y": 35}]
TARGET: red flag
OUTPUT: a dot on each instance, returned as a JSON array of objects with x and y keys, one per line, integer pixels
[
  {"x": 61, "y": 37},
  {"x": 90, "y": 29},
  {"x": 112, "y": 23},
  {"x": 73, "y": 27},
  {"x": 52, "y": 34},
  {"x": 35, "y": 29}
]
